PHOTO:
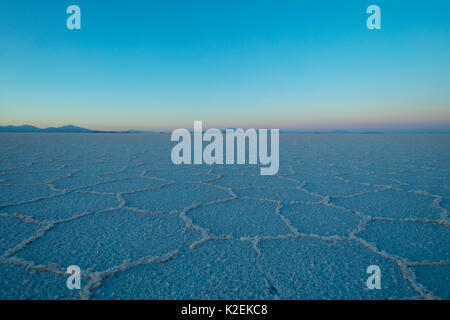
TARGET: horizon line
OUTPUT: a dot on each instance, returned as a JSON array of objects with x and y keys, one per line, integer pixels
[{"x": 79, "y": 129}]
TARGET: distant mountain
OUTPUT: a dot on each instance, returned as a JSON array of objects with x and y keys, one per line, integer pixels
[
  {"x": 24, "y": 128},
  {"x": 28, "y": 128},
  {"x": 331, "y": 132},
  {"x": 68, "y": 129},
  {"x": 64, "y": 129}
]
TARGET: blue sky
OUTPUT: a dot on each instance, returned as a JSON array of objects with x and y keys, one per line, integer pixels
[{"x": 307, "y": 65}]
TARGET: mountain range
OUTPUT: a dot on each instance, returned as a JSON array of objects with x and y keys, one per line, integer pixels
[
  {"x": 63, "y": 129},
  {"x": 28, "y": 128},
  {"x": 75, "y": 129}
]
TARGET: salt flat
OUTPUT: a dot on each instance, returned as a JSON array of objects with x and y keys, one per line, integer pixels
[{"x": 140, "y": 227}]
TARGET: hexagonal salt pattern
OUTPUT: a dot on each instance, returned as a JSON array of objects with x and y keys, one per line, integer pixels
[{"x": 140, "y": 227}]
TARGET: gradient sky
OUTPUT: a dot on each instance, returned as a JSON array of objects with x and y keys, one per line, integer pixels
[{"x": 307, "y": 65}]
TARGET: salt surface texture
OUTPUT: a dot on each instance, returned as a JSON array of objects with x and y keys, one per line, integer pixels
[{"x": 140, "y": 227}]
